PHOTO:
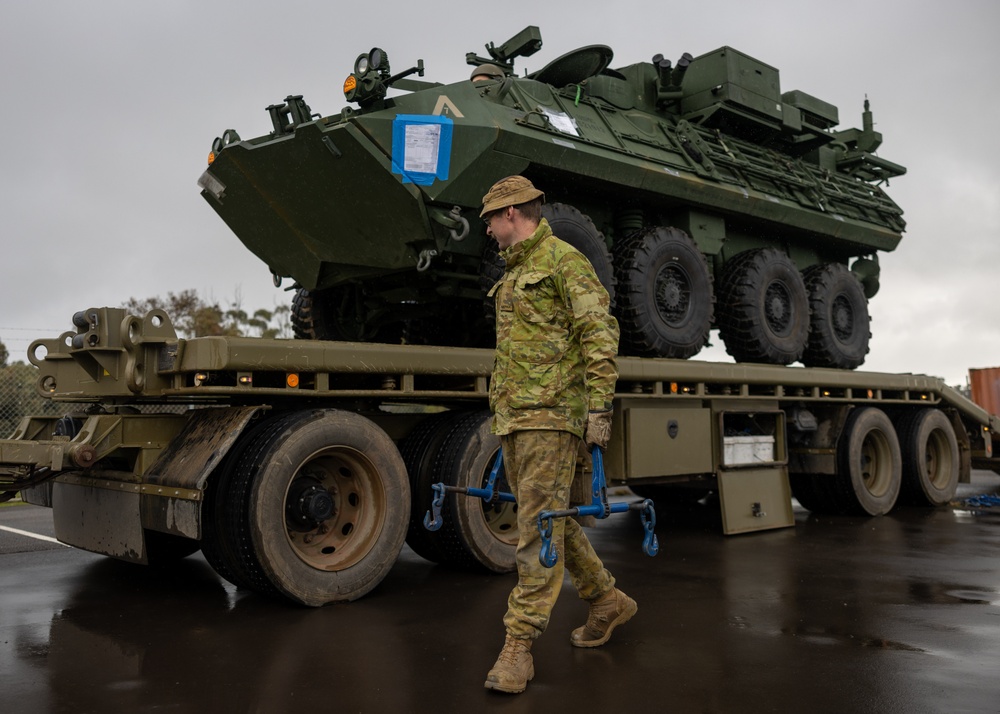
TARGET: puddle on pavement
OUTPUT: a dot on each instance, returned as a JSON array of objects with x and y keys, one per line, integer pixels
[
  {"x": 832, "y": 637},
  {"x": 978, "y": 597}
]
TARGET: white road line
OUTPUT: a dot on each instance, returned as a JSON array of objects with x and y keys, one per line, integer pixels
[{"x": 30, "y": 535}]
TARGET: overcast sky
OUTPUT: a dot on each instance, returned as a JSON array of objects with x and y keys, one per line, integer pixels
[{"x": 110, "y": 108}]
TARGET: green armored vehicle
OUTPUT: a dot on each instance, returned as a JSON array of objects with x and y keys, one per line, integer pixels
[{"x": 703, "y": 195}]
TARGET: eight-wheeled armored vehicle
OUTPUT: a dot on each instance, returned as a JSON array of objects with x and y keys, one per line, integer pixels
[{"x": 703, "y": 195}]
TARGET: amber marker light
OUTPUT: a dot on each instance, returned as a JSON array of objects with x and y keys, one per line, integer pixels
[
  {"x": 292, "y": 380},
  {"x": 673, "y": 387},
  {"x": 211, "y": 157},
  {"x": 350, "y": 84}
]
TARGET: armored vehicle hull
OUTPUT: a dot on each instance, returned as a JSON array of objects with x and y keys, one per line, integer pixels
[{"x": 703, "y": 196}]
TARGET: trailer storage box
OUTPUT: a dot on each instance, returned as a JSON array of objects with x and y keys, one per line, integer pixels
[{"x": 745, "y": 450}]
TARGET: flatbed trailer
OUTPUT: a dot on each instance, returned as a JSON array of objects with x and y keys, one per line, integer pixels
[{"x": 301, "y": 467}]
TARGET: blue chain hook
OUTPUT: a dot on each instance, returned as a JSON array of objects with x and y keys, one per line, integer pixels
[
  {"x": 600, "y": 508},
  {"x": 650, "y": 544},
  {"x": 490, "y": 494},
  {"x": 435, "y": 522},
  {"x": 548, "y": 555}
]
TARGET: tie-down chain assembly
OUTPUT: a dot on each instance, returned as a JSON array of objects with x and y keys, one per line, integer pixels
[{"x": 598, "y": 507}]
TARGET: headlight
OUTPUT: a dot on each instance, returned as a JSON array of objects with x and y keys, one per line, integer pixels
[{"x": 361, "y": 65}]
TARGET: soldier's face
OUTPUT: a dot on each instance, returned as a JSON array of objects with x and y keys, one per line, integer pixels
[{"x": 501, "y": 227}]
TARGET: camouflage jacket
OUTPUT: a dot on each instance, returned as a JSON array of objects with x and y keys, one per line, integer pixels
[{"x": 556, "y": 340}]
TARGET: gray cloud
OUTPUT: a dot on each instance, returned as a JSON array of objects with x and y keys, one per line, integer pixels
[{"x": 111, "y": 107}]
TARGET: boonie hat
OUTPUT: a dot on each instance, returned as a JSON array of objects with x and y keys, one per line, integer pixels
[
  {"x": 490, "y": 70},
  {"x": 511, "y": 191}
]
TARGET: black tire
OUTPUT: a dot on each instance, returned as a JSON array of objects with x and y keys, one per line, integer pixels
[
  {"x": 930, "y": 455},
  {"x": 491, "y": 269},
  {"x": 419, "y": 450},
  {"x": 665, "y": 302},
  {"x": 839, "y": 326},
  {"x": 763, "y": 308},
  {"x": 323, "y": 506},
  {"x": 806, "y": 493},
  {"x": 869, "y": 464},
  {"x": 572, "y": 226},
  {"x": 225, "y": 539},
  {"x": 820, "y": 493},
  {"x": 164, "y": 549},
  {"x": 669, "y": 498},
  {"x": 339, "y": 314},
  {"x": 474, "y": 534}
]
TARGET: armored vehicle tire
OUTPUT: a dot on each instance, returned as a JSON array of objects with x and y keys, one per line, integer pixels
[
  {"x": 839, "y": 327},
  {"x": 474, "y": 533},
  {"x": 763, "y": 308},
  {"x": 339, "y": 315},
  {"x": 419, "y": 449},
  {"x": 930, "y": 457},
  {"x": 869, "y": 464},
  {"x": 569, "y": 225},
  {"x": 665, "y": 300},
  {"x": 491, "y": 269},
  {"x": 318, "y": 507}
]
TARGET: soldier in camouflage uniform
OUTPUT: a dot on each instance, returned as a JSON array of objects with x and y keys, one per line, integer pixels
[{"x": 553, "y": 383}]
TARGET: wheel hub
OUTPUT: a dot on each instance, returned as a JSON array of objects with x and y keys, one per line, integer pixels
[
  {"x": 842, "y": 318},
  {"x": 777, "y": 308},
  {"x": 308, "y": 505},
  {"x": 673, "y": 294}
]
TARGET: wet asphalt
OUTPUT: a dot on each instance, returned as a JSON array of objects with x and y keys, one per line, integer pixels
[{"x": 893, "y": 614}]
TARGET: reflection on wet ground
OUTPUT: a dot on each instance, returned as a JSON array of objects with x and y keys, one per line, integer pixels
[{"x": 894, "y": 614}]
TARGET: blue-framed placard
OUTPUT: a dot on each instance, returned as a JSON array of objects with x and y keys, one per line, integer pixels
[{"x": 421, "y": 147}]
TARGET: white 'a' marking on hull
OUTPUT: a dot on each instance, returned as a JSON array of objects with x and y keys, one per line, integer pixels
[{"x": 446, "y": 106}]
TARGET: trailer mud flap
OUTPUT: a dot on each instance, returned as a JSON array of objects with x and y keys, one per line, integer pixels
[
  {"x": 98, "y": 519},
  {"x": 755, "y": 500},
  {"x": 171, "y": 499}
]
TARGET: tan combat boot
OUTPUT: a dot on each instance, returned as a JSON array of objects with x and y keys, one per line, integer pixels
[
  {"x": 514, "y": 667},
  {"x": 606, "y": 613}
]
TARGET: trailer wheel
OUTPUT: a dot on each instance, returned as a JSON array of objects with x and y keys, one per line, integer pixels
[
  {"x": 474, "y": 534},
  {"x": 327, "y": 503},
  {"x": 869, "y": 464},
  {"x": 930, "y": 457},
  {"x": 671, "y": 498},
  {"x": 226, "y": 542},
  {"x": 665, "y": 300},
  {"x": 806, "y": 493},
  {"x": 419, "y": 449},
  {"x": 163, "y": 549},
  {"x": 764, "y": 308},
  {"x": 839, "y": 328}
]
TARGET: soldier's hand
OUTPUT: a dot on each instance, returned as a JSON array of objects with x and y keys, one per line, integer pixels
[{"x": 598, "y": 430}]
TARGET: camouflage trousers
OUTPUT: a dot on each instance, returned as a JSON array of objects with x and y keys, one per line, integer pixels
[{"x": 539, "y": 466}]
